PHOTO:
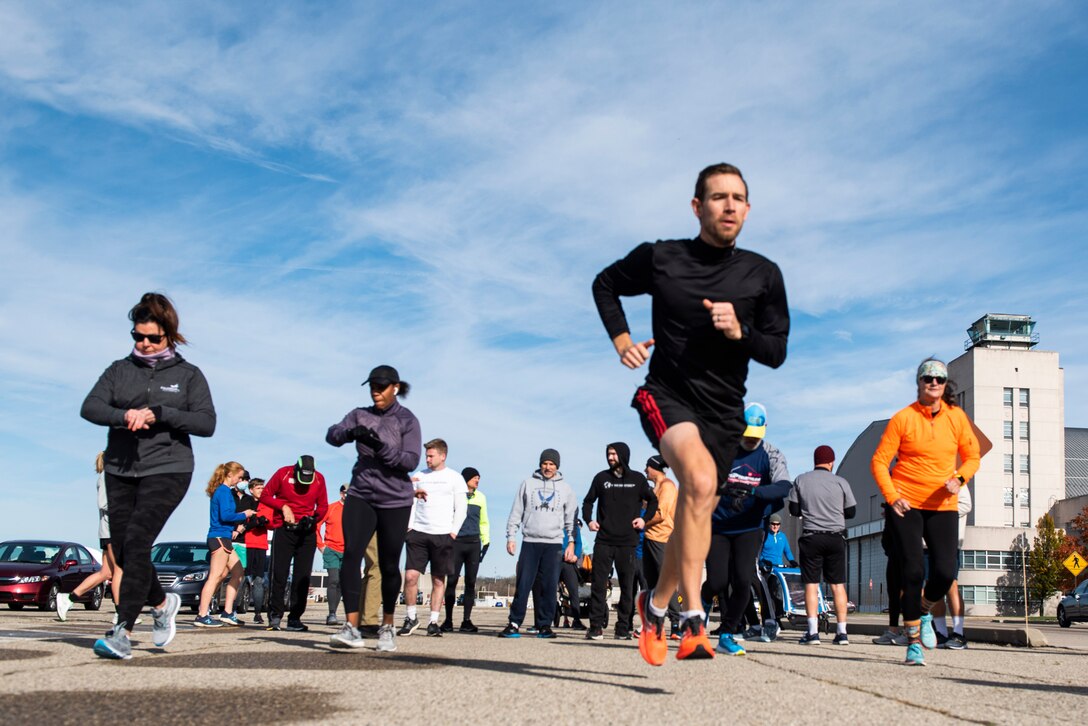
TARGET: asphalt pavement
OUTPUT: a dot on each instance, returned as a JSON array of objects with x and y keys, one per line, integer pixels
[{"x": 249, "y": 675}]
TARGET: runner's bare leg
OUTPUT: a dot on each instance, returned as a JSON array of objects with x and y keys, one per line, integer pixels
[{"x": 686, "y": 551}]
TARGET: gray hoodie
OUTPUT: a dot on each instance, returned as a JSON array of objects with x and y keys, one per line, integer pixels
[{"x": 544, "y": 510}]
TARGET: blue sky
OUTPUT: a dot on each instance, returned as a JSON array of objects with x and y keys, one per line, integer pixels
[{"x": 324, "y": 188}]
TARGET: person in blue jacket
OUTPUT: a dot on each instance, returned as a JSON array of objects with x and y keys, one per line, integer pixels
[
  {"x": 757, "y": 486},
  {"x": 776, "y": 549},
  {"x": 224, "y": 520}
]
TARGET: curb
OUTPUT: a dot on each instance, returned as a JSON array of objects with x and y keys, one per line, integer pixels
[{"x": 974, "y": 633}]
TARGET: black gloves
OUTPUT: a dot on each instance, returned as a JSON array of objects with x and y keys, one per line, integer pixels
[
  {"x": 483, "y": 551},
  {"x": 793, "y": 563},
  {"x": 736, "y": 493},
  {"x": 367, "y": 437}
]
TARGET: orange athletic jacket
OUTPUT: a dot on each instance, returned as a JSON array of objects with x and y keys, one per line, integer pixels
[
  {"x": 659, "y": 529},
  {"x": 334, "y": 530},
  {"x": 926, "y": 445}
]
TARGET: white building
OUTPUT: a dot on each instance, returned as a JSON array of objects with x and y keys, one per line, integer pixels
[{"x": 1015, "y": 395}]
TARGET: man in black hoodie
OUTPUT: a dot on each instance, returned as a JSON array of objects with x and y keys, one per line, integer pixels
[{"x": 619, "y": 492}]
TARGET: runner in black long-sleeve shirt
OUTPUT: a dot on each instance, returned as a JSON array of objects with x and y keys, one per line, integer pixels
[
  {"x": 619, "y": 492},
  {"x": 715, "y": 307}
]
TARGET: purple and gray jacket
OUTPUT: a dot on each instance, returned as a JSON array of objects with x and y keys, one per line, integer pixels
[{"x": 381, "y": 478}]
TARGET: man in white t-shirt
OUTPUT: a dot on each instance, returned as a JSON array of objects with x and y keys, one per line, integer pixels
[{"x": 437, "y": 514}]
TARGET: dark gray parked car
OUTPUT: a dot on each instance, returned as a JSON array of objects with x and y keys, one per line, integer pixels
[
  {"x": 1074, "y": 606},
  {"x": 182, "y": 568}
]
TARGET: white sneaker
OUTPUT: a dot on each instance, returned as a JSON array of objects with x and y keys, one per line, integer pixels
[
  {"x": 164, "y": 629},
  {"x": 347, "y": 637},
  {"x": 386, "y": 639},
  {"x": 64, "y": 604}
]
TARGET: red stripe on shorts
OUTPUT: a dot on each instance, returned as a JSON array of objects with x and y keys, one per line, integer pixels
[{"x": 649, "y": 408}]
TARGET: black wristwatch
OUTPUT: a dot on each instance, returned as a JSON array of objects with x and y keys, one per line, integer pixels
[
  {"x": 962, "y": 480},
  {"x": 745, "y": 331}
]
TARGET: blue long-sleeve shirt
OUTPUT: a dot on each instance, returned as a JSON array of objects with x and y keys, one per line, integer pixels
[
  {"x": 222, "y": 516},
  {"x": 577, "y": 541},
  {"x": 776, "y": 546}
]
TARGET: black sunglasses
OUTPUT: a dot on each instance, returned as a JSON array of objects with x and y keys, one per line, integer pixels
[
  {"x": 153, "y": 339},
  {"x": 933, "y": 379}
]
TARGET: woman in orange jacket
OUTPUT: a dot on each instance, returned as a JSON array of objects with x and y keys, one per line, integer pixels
[{"x": 922, "y": 493}]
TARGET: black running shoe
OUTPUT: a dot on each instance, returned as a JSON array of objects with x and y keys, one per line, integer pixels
[
  {"x": 468, "y": 627},
  {"x": 955, "y": 641},
  {"x": 446, "y": 626},
  {"x": 595, "y": 633},
  {"x": 433, "y": 630}
]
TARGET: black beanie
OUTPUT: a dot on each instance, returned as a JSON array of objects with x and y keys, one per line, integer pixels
[
  {"x": 468, "y": 473},
  {"x": 550, "y": 455}
]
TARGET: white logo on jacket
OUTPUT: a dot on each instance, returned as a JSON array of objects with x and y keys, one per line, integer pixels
[{"x": 175, "y": 388}]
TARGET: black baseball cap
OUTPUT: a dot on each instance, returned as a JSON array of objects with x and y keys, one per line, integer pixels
[
  {"x": 305, "y": 469},
  {"x": 383, "y": 376}
]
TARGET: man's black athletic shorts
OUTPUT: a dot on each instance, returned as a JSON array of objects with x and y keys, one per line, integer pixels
[
  {"x": 658, "y": 411},
  {"x": 823, "y": 552},
  {"x": 422, "y": 548}
]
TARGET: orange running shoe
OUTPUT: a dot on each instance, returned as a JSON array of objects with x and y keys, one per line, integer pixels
[
  {"x": 652, "y": 645},
  {"x": 694, "y": 645}
]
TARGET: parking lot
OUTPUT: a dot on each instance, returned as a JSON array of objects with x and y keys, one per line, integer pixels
[{"x": 50, "y": 676}]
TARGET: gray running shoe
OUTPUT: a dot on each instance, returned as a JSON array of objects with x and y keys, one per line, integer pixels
[
  {"x": 163, "y": 629},
  {"x": 386, "y": 639},
  {"x": 348, "y": 637},
  {"x": 890, "y": 637},
  {"x": 410, "y": 626},
  {"x": 115, "y": 645},
  {"x": 331, "y": 620},
  {"x": 64, "y": 604}
]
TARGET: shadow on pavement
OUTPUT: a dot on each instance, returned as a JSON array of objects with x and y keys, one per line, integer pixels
[
  {"x": 1041, "y": 687},
  {"x": 186, "y": 706}
]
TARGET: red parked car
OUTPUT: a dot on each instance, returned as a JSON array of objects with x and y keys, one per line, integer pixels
[{"x": 33, "y": 572}]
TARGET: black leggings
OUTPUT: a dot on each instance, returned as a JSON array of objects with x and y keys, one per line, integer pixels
[
  {"x": 361, "y": 521},
  {"x": 893, "y": 575},
  {"x": 139, "y": 508},
  {"x": 730, "y": 567},
  {"x": 468, "y": 554},
  {"x": 940, "y": 530}
]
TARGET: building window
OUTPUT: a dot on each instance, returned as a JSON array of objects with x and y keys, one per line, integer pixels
[
  {"x": 1025, "y": 430},
  {"x": 1008, "y": 463},
  {"x": 1025, "y": 497},
  {"x": 1008, "y": 496},
  {"x": 1007, "y": 432},
  {"x": 1025, "y": 464},
  {"x": 990, "y": 560},
  {"x": 1025, "y": 399},
  {"x": 1007, "y": 396}
]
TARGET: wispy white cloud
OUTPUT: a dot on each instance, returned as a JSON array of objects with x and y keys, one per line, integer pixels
[{"x": 438, "y": 190}]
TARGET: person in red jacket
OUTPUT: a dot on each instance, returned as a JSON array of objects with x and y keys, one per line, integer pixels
[
  {"x": 256, "y": 539},
  {"x": 332, "y": 551},
  {"x": 298, "y": 500}
]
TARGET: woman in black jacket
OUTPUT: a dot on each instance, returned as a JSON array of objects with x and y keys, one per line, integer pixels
[{"x": 152, "y": 401}]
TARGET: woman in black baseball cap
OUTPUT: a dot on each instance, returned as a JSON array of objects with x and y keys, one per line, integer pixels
[{"x": 389, "y": 443}]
